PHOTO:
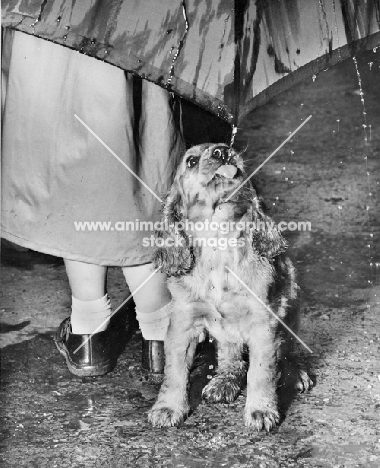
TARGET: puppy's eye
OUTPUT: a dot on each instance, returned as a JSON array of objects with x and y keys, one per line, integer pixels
[{"x": 192, "y": 161}]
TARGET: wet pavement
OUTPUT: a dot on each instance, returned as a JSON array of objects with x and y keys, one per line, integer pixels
[{"x": 51, "y": 418}]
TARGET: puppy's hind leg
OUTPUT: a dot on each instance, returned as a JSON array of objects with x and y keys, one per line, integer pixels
[
  {"x": 232, "y": 369},
  {"x": 172, "y": 405}
]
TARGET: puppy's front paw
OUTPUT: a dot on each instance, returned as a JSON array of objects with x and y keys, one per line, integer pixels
[
  {"x": 261, "y": 419},
  {"x": 303, "y": 382},
  {"x": 166, "y": 416},
  {"x": 222, "y": 389}
]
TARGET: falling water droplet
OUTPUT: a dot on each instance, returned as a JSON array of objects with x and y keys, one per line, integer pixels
[
  {"x": 336, "y": 30},
  {"x": 314, "y": 77},
  {"x": 370, "y": 65},
  {"x": 59, "y": 19}
]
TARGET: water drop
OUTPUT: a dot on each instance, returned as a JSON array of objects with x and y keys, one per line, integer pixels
[
  {"x": 339, "y": 207},
  {"x": 370, "y": 65},
  {"x": 64, "y": 38},
  {"x": 59, "y": 19},
  {"x": 314, "y": 77}
]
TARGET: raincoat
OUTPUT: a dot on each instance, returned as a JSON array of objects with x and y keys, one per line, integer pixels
[{"x": 56, "y": 174}]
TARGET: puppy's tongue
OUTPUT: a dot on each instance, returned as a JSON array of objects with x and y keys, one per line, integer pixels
[{"x": 227, "y": 171}]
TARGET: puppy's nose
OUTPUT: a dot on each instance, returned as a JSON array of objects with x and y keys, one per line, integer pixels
[{"x": 221, "y": 153}]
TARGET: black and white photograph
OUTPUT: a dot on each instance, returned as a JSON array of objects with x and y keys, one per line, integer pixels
[{"x": 190, "y": 222}]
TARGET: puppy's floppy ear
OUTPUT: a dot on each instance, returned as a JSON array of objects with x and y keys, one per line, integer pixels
[
  {"x": 173, "y": 253},
  {"x": 266, "y": 237}
]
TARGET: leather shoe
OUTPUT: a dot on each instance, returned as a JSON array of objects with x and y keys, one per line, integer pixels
[
  {"x": 94, "y": 356},
  {"x": 153, "y": 356}
]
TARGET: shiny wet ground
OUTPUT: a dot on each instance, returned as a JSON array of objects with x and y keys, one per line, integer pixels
[{"x": 51, "y": 418}]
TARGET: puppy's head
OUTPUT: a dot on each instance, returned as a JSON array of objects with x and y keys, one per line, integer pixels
[{"x": 209, "y": 172}]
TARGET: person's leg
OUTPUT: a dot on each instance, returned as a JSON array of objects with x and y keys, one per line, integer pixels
[
  {"x": 87, "y": 281},
  {"x": 91, "y": 307},
  {"x": 153, "y": 309},
  {"x": 82, "y": 338},
  {"x": 152, "y": 300}
]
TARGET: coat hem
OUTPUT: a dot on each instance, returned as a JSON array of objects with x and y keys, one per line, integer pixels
[{"x": 131, "y": 261}]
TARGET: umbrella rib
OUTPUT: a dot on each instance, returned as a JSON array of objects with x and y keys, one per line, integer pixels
[{"x": 180, "y": 45}]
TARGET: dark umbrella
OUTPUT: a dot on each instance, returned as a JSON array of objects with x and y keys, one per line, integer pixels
[{"x": 228, "y": 56}]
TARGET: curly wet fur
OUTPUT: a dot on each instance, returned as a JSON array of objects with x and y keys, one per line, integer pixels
[{"x": 206, "y": 295}]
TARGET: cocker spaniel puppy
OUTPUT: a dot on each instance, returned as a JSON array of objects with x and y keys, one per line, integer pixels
[{"x": 224, "y": 258}]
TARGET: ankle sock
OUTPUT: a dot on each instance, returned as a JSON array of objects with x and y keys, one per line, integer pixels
[
  {"x": 87, "y": 316},
  {"x": 154, "y": 325}
]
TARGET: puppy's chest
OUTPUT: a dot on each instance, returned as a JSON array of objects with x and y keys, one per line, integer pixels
[{"x": 218, "y": 275}]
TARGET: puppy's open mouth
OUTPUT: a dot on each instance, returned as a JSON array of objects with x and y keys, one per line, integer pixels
[{"x": 227, "y": 173}]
